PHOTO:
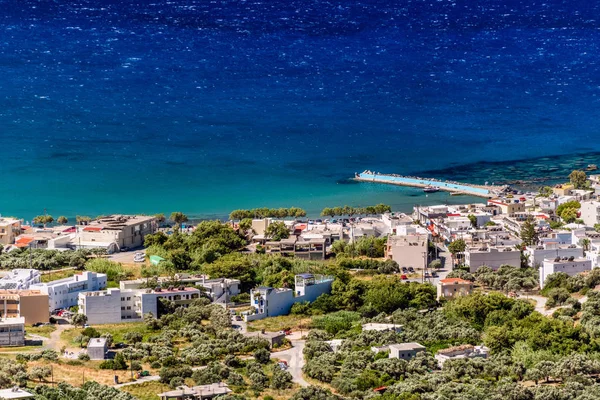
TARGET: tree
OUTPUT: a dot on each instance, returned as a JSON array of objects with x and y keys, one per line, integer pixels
[
  {"x": 529, "y": 234},
  {"x": 79, "y": 319},
  {"x": 473, "y": 220},
  {"x": 277, "y": 231},
  {"x": 262, "y": 356},
  {"x": 545, "y": 191},
  {"x": 133, "y": 337},
  {"x": 328, "y": 212},
  {"x": 62, "y": 220},
  {"x": 178, "y": 217},
  {"x": 578, "y": 179},
  {"x": 160, "y": 218},
  {"x": 281, "y": 379},
  {"x": 40, "y": 372},
  {"x": 83, "y": 219},
  {"x": 43, "y": 219},
  {"x": 119, "y": 362},
  {"x": 435, "y": 264},
  {"x": 456, "y": 247}
]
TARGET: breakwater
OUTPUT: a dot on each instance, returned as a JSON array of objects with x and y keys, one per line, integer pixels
[{"x": 486, "y": 191}]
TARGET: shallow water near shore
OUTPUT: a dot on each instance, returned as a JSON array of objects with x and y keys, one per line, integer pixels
[{"x": 206, "y": 107}]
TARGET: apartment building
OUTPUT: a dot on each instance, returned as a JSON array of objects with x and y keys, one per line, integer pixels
[
  {"x": 10, "y": 228},
  {"x": 269, "y": 302},
  {"x": 311, "y": 249},
  {"x": 130, "y": 305},
  {"x": 453, "y": 287},
  {"x": 63, "y": 293},
  {"x": 115, "y": 232},
  {"x": 493, "y": 257},
  {"x": 20, "y": 279},
  {"x": 570, "y": 266},
  {"x": 32, "y": 305},
  {"x": 590, "y": 212},
  {"x": 508, "y": 207},
  {"x": 408, "y": 250},
  {"x": 537, "y": 254}
]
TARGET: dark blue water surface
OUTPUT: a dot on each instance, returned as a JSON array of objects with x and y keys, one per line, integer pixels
[{"x": 204, "y": 106}]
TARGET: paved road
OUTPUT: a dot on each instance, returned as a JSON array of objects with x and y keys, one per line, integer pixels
[{"x": 295, "y": 360}]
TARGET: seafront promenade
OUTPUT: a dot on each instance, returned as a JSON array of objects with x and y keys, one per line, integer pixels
[{"x": 486, "y": 191}]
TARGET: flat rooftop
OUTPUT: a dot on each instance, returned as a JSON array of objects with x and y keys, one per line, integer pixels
[
  {"x": 15, "y": 393},
  {"x": 116, "y": 222},
  {"x": 407, "y": 346},
  {"x": 96, "y": 343}
]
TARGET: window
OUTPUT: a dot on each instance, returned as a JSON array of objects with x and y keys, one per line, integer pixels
[
  {"x": 129, "y": 298},
  {"x": 129, "y": 307},
  {"x": 122, "y": 298},
  {"x": 122, "y": 308}
]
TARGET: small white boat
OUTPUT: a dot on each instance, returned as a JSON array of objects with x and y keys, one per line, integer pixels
[{"x": 431, "y": 189}]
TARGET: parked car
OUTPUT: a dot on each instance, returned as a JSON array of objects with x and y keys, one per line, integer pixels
[
  {"x": 404, "y": 269},
  {"x": 411, "y": 269},
  {"x": 238, "y": 318},
  {"x": 403, "y": 277},
  {"x": 434, "y": 274}
]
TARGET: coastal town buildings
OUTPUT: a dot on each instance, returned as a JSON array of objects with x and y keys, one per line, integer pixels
[
  {"x": 537, "y": 254},
  {"x": 20, "y": 279},
  {"x": 563, "y": 189},
  {"x": 405, "y": 351},
  {"x": 408, "y": 250},
  {"x": 12, "y": 332},
  {"x": 311, "y": 249},
  {"x": 219, "y": 290},
  {"x": 130, "y": 305},
  {"x": 463, "y": 351},
  {"x": 10, "y": 228},
  {"x": 493, "y": 257},
  {"x": 63, "y": 293},
  {"x": 570, "y": 266},
  {"x": 508, "y": 207},
  {"x": 31, "y": 305},
  {"x": 453, "y": 287},
  {"x": 590, "y": 212},
  {"x": 115, "y": 232},
  {"x": 202, "y": 392},
  {"x": 269, "y": 302}
]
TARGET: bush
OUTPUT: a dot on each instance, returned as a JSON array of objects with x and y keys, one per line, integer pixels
[
  {"x": 262, "y": 356},
  {"x": 83, "y": 357},
  {"x": 336, "y": 322},
  {"x": 155, "y": 365},
  {"x": 107, "y": 364}
]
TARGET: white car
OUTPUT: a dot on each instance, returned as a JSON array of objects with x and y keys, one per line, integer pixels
[{"x": 139, "y": 257}]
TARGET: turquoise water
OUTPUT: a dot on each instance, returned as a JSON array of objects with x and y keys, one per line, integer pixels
[{"x": 204, "y": 107}]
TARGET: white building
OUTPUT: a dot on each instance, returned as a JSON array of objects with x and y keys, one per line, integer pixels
[
  {"x": 371, "y": 326},
  {"x": 590, "y": 212},
  {"x": 464, "y": 351},
  {"x": 270, "y": 302},
  {"x": 12, "y": 332},
  {"x": 537, "y": 254},
  {"x": 493, "y": 257},
  {"x": 408, "y": 250},
  {"x": 405, "y": 351},
  {"x": 394, "y": 221},
  {"x": 570, "y": 266},
  {"x": 63, "y": 293},
  {"x": 130, "y": 305},
  {"x": 20, "y": 279}
]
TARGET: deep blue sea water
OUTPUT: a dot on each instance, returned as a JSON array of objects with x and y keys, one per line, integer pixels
[{"x": 205, "y": 106}]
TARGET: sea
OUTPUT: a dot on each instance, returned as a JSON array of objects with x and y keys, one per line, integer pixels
[{"x": 205, "y": 106}]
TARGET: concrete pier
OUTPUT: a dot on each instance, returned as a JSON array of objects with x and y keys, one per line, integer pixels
[{"x": 486, "y": 191}]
